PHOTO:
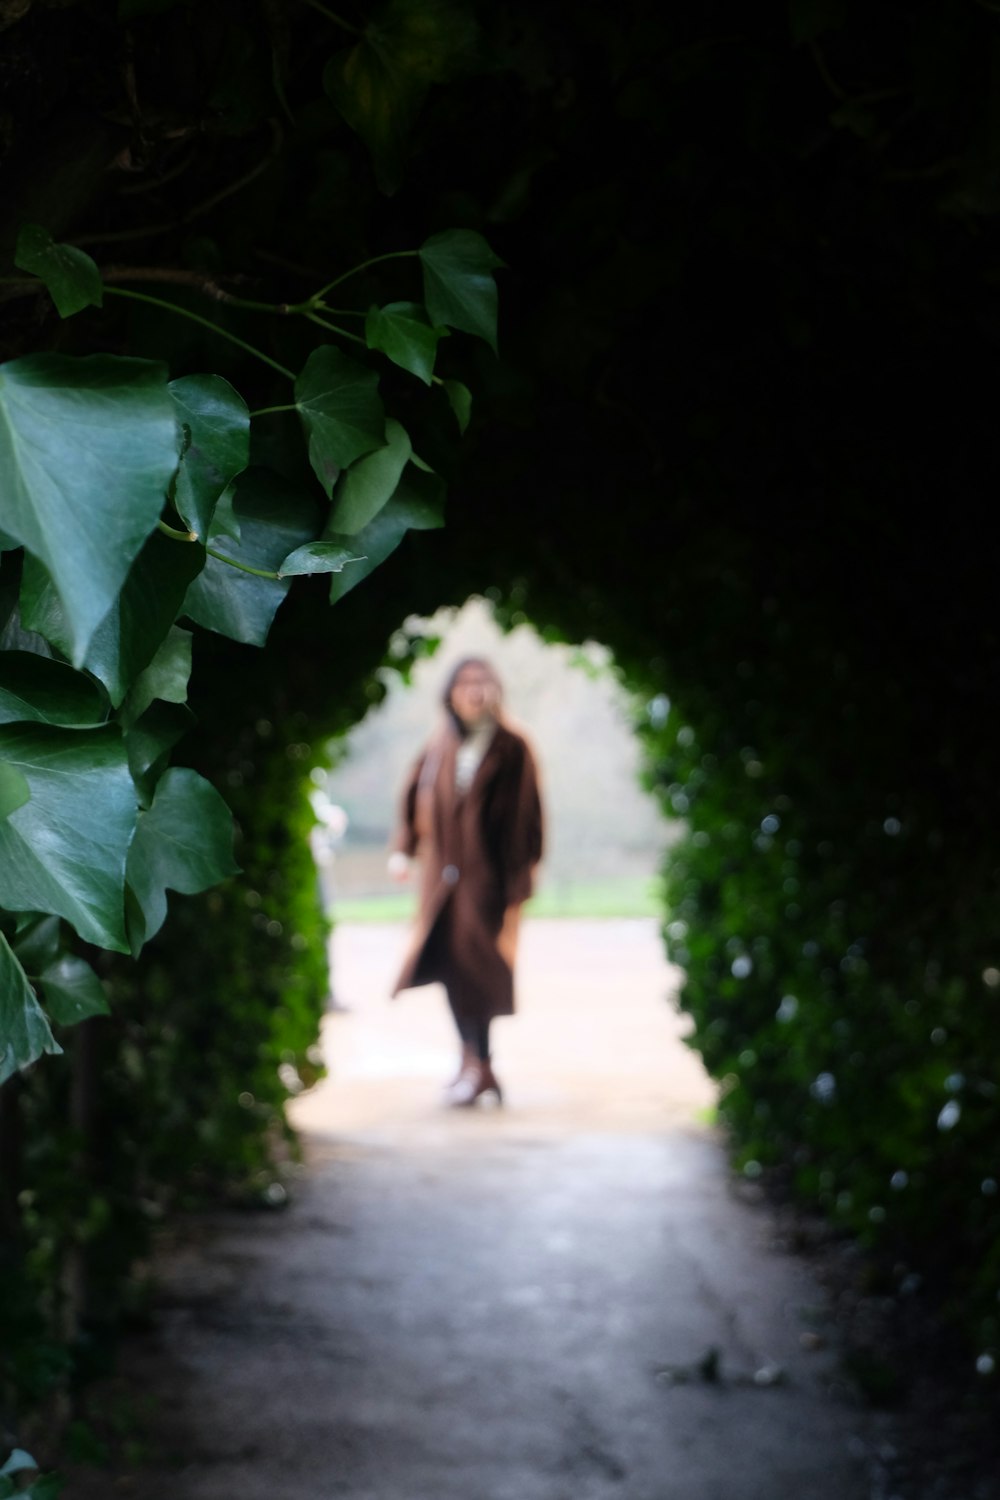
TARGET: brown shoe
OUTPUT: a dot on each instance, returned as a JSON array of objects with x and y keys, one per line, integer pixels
[{"x": 476, "y": 1079}]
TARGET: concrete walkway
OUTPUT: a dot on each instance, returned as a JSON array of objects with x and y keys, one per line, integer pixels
[{"x": 519, "y": 1304}]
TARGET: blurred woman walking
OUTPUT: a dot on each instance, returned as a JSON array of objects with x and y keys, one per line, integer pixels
[{"x": 471, "y": 813}]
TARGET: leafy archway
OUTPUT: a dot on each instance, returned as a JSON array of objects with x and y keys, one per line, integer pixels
[{"x": 738, "y": 435}]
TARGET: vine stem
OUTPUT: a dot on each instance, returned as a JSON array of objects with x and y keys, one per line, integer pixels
[
  {"x": 120, "y": 291},
  {"x": 266, "y": 411},
  {"x": 175, "y": 535},
  {"x": 243, "y": 567},
  {"x": 355, "y": 270},
  {"x": 192, "y": 536},
  {"x": 343, "y": 332},
  {"x": 331, "y": 15}
]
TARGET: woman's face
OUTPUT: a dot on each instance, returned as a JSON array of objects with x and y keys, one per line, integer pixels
[{"x": 473, "y": 695}]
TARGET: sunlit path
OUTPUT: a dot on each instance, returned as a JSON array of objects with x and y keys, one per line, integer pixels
[
  {"x": 595, "y": 1043},
  {"x": 521, "y": 1304}
]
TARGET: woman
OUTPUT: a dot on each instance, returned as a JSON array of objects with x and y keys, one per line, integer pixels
[{"x": 472, "y": 812}]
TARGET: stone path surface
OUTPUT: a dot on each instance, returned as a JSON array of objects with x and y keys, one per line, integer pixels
[{"x": 518, "y": 1304}]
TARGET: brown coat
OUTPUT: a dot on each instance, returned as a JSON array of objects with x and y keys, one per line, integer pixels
[{"x": 478, "y": 851}]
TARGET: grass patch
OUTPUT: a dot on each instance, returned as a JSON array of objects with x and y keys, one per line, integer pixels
[{"x": 633, "y": 896}]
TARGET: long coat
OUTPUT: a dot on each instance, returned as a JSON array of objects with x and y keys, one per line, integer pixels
[{"x": 478, "y": 852}]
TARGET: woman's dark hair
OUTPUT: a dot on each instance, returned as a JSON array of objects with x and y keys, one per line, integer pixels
[{"x": 459, "y": 667}]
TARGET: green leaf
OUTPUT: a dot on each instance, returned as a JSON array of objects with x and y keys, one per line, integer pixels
[
  {"x": 87, "y": 449},
  {"x": 403, "y": 331},
  {"x": 459, "y": 289},
  {"x": 224, "y": 520},
  {"x": 18, "y": 1461},
  {"x": 378, "y": 104},
  {"x": 165, "y": 678},
  {"x": 370, "y": 482},
  {"x": 183, "y": 843},
  {"x": 45, "y": 1487},
  {"x": 64, "y": 851},
  {"x": 342, "y": 412},
  {"x": 379, "y": 84},
  {"x": 71, "y": 277},
  {"x": 215, "y": 425},
  {"x": 72, "y": 991},
  {"x": 24, "y": 1034},
  {"x": 33, "y": 688},
  {"x": 149, "y": 741},
  {"x": 37, "y": 944},
  {"x": 275, "y": 518},
  {"x": 14, "y": 790},
  {"x": 317, "y": 557},
  {"x": 417, "y": 505},
  {"x": 138, "y": 622},
  {"x": 460, "y": 401}
]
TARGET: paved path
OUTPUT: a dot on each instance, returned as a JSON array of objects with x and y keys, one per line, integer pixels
[{"x": 499, "y": 1305}]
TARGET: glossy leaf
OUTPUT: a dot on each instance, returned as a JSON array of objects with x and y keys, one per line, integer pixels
[
  {"x": 460, "y": 401},
  {"x": 342, "y": 412},
  {"x": 37, "y": 942},
  {"x": 14, "y": 790},
  {"x": 165, "y": 678},
  {"x": 42, "y": 691},
  {"x": 183, "y": 843},
  {"x": 24, "y": 1032},
  {"x": 138, "y": 622},
  {"x": 275, "y": 518},
  {"x": 403, "y": 331},
  {"x": 224, "y": 518},
  {"x": 417, "y": 505},
  {"x": 64, "y": 851},
  {"x": 87, "y": 449},
  {"x": 70, "y": 276},
  {"x": 215, "y": 448},
  {"x": 150, "y": 739},
  {"x": 317, "y": 557},
  {"x": 459, "y": 289},
  {"x": 370, "y": 482},
  {"x": 72, "y": 991}
]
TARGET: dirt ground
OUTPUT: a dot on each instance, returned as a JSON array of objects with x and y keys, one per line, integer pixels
[{"x": 562, "y": 1299}]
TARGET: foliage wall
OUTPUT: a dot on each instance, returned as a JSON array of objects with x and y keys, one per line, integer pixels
[{"x": 739, "y": 434}]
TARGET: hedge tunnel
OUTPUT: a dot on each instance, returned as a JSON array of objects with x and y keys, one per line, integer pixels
[{"x": 742, "y": 433}]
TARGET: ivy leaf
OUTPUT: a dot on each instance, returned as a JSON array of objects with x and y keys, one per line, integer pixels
[
  {"x": 275, "y": 519},
  {"x": 183, "y": 843},
  {"x": 317, "y": 557},
  {"x": 459, "y": 289},
  {"x": 224, "y": 520},
  {"x": 165, "y": 678},
  {"x": 18, "y": 1461},
  {"x": 342, "y": 412},
  {"x": 379, "y": 84},
  {"x": 24, "y": 1032},
  {"x": 403, "y": 331},
  {"x": 14, "y": 790},
  {"x": 130, "y": 634},
  {"x": 215, "y": 424},
  {"x": 72, "y": 991},
  {"x": 149, "y": 742},
  {"x": 87, "y": 448},
  {"x": 64, "y": 851},
  {"x": 460, "y": 401},
  {"x": 37, "y": 943},
  {"x": 370, "y": 482},
  {"x": 70, "y": 276},
  {"x": 36, "y": 689},
  {"x": 417, "y": 505}
]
